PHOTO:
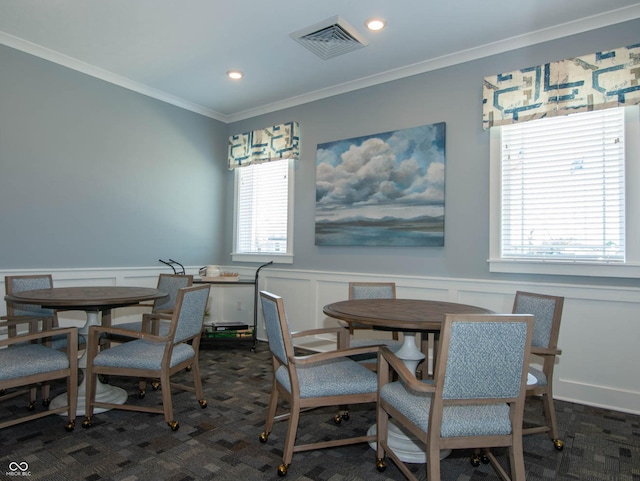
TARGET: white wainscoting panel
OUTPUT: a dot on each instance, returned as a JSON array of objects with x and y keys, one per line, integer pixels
[{"x": 598, "y": 336}]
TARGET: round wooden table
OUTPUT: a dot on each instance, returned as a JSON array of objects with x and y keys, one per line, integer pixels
[
  {"x": 93, "y": 300},
  {"x": 410, "y": 316}
]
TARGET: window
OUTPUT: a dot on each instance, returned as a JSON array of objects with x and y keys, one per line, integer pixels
[
  {"x": 563, "y": 195},
  {"x": 263, "y": 212}
]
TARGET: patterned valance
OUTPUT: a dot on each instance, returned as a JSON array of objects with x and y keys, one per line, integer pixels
[
  {"x": 265, "y": 145},
  {"x": 600, "y": 80}
]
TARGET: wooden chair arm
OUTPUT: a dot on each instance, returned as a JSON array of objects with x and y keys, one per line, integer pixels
[
  {"x": 323, "y": 356},
  {"x": 545, "y": 351},
  {"x": 95, "y": 331},
  {"x": 313, "y": 332},
  {"x": 71, "y": 332},
  {"x": 386, "y": 359},
  {"x": 151, "y": 321},
  {"x": 341, "y": 332}
]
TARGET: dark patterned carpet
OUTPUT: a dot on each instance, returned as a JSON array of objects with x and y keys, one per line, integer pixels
[{"x": 221, "y": 442}]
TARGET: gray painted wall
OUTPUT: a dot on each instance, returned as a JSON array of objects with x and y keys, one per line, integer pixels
[
  {"x": 452, "y": 95},
  {"x": 94, "y": 175}
]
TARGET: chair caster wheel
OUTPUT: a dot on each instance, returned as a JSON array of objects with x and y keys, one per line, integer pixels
[
  {"x": 86, "y": 423},
  {"x": 188, "y": 368},
  {"x": 264, "y": 436},
  {"x": 203, "y": 403},
  {"x": 31, "y": 406},
  {"x": 337, "y": 418},
  {"x": 345, "y": 416},
  {"x": 475, "y": 460},
  {"x": 46, "y": 402},
  {"x": 381, "y": 466},
  {"x": 155, "y": 385},
  {"x": 282, "y": 470},
  {"x": 142, "y": 394},
  {"x": 558, "y": 444},
  {"x": 71, "y": 425},
  {"x": 484, "y": 459},
  {"x": 174, "y": 425}
]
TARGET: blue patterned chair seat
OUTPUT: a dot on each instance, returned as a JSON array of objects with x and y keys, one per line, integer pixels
[
  {"x": 141, "y": 354},
  {"x": 331, "y": 377},
  {"x": 539, "y": 375},
  {"x": 28, "y": 359},
  {"x": 457, "y": 420}
]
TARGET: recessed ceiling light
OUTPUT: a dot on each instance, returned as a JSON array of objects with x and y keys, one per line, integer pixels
[
  {"x": 375, "y": 24},
  {"x": 235, "y": 74}
]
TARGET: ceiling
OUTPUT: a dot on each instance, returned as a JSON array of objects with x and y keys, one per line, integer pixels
[{"x": 180, "y": 51}]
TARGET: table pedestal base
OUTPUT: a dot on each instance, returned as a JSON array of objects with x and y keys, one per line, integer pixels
[
  {"x": 104, "y": 393},
  {"x": 404, "y": 444}
]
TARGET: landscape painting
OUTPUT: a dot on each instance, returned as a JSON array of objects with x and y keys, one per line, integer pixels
[{"x": 382, "y": 190}]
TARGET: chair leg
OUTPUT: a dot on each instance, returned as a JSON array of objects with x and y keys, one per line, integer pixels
[
  {"x": 90, "y": 396},
  {"x": 32, "y": 398},
  {"x": 433, "y": 462},
  {"x": 197, "y": 382},
  {"x": 142, "y": 388},
  {"x": 105, "y": 322},
  {"x": 271, "y": 413},
  {"x": 45, "y": 390},
  {"x": 550, "y": 418},
  {"x": 167, "y": 403},
  {"x": 516, "y": 461},
  {"x": 292, "y": 429},
  {"x": 382, "y": 430}
]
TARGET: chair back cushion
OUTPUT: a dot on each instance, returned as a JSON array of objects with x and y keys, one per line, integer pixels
[
  {"x": 372, "y": 290},
  {"x": 191, "y": 306},
  {"x": 171, "y": 284},
  {"x": 15, "y": 284},
  {"x": 277, "y": 328},
  {"x": 484, "y": 358},
  {"x": 546, "y": 311}
]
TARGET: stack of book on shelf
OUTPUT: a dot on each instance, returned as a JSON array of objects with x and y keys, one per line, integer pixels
[{"x": 227, "y": 330}]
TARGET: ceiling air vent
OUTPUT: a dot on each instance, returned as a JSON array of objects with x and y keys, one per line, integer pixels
[{"x": 330, "y": 38}]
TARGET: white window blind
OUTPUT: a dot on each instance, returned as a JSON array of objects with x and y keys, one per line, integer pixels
[
  {"x": 262, "y": 208},
  {"x": 563, "y": 188}
]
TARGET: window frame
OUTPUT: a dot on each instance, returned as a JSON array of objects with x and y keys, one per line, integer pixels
[
  {"x": 630, "y": 268},
  {"x": 284, "y": 258}
]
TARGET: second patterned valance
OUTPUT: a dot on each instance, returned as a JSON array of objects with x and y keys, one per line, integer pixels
[{"x": 597, "y": 81}]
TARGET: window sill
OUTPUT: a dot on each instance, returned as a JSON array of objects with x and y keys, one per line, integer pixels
[
  {"x": 627, "y": 270},
  {"x": 275, "y": 258}
]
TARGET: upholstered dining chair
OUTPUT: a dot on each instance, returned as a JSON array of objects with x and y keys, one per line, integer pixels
[
  {"x": 37, "y": 317},
  {"x": 306, "y": 382},
  {"x": 152, "y": 356},
  {"x": 26, "y": 361},
  {"x": 370, "y": 290},
  {"x": 150, "y": 322},
  {"x": 476, "y": 399},
  {"x": 547, "y": 311}
]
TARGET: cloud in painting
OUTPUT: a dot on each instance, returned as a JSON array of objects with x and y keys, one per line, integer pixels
[{"x": 400, "y": 167}]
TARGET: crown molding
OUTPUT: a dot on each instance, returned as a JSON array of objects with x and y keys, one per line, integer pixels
[
  {"x": 559, "y": 31},
  {"x": 88, "y": 69},
  {"x": 552, "y": 33}
]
